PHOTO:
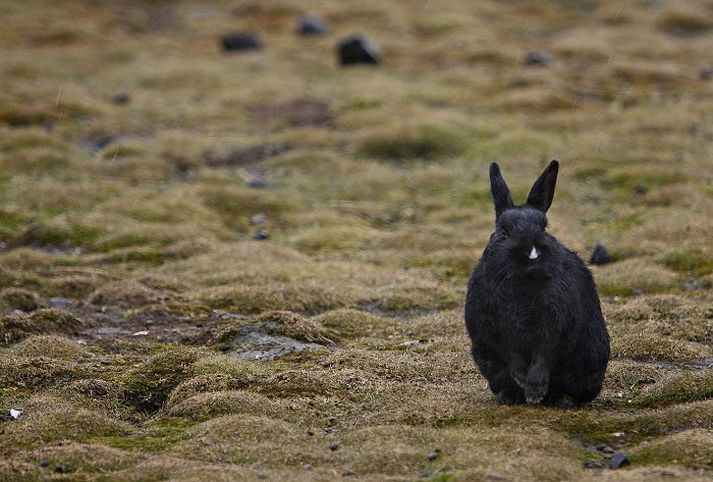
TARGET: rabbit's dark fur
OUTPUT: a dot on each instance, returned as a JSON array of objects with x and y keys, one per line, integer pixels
[{"x": 537, "y": 330}]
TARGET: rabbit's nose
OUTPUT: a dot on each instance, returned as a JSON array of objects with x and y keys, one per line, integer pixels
[{"x": 534, "y": 254}]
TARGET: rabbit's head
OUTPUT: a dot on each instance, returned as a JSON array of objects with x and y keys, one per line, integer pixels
[{"x": 520, "y": 233}]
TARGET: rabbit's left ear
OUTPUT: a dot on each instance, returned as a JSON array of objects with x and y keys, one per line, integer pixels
[{"x": 543, "y": 191}]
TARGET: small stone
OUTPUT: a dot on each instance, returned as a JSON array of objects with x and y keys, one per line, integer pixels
[
  {"x": 59, "y": 302},
  {"x": 312, "y": 24},
  {"x": 619, "y": 460},
  {"x": 433, "y": 455},
  {"x": 310, "y": 432},
  {"x": 334, "y": 447},
  {"x": 59, "y": 469},
  {"x": 262, "y": 476},
  {"x": 307, "y": 466},
  {"x": 121, "y": 98},
  {"x": 605, "y": 449},
  {"x": 600, "y": 255},
  {"x": 593, "y": 464},
  {"x": 258, "y": 219},
  {"x": 15, "y": 413},
  {"x": 261, "y": 235},
  {"x": 357, "y": 49},
  {"x": 237, "y": 42},
  {"x": 44, "y": 463},
  {"x": 538, "y": 58},
  {"x": 257, "y": 181}
]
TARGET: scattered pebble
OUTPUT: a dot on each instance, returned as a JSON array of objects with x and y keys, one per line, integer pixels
[
  {"x": 357, "y": 49},
  {"x": 44, "y": 463},
  {"x": 619, "y": 460},
  {"x": 600, "y": 255},
  {"x": 140, "y": 333},
  {"x": 237, "y": 42},
  {"x": 312, "y": 24},
  {"x": 434, "y": 455},
  {"x": 59, "y": 302},
  {"x": 261, "y": 235},
  {"x": 15, "y": 413},
  {"x": 593, "y": 464},
  {"x": 59, "y": 469},
  {"x": 310, "y": 432},
  {"x": 307, "y": 466},
  {"x": 121, "y": 98},
  {"x": 538, "y": 58},
  {"x": 334, "y": 447},
  {"x": 605, "y": 449}
]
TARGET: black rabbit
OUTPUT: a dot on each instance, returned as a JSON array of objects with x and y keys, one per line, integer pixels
[{"x": 532, "y": 310}]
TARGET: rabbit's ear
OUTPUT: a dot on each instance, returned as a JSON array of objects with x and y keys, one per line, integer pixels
[
  {"x": 543, "y": 191},
  {"x": 500, "y": 190}
]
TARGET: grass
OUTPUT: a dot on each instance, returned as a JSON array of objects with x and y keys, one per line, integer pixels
[{"x": 130, "y": 282}]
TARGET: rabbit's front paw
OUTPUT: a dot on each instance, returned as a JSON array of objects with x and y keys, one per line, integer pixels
[
  {"x": 535, "y": 393},
  {"x": 536, "y": 385}
]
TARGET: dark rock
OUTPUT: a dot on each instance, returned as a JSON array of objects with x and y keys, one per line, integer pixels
[
  {"x": 600, "y": 255},
  {"x": 619, "y": 460},
  {"x": 706, "y": 74},
  {"x": 60, "y": 469},
  {"x": 334, "y": 446},
  {"x": 44, "y": 463},
  {"x": 97, "y": 142},
  {"x": 538, "y": 58},
  {"x": 237, "y": 42},
  {"x": 312, "y": 24},
  {"x": 357, "y": 49},
  {"x": 257, "y": 181},
  {"x": 121, "y": 98},
  {"x": 261, "y": 235},
  {"x": 434, "y": 455},
  {"x": 593, "y": 464},
  {"x": 310, "y": 432}
]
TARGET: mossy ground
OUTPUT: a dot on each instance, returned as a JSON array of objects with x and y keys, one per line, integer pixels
[{"x": 128, "y": 270}]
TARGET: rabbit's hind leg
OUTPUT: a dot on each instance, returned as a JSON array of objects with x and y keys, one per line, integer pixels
[{"x": 574, "y": 389}]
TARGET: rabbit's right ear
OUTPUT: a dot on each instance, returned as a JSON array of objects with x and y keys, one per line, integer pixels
[{"x": 500, "y": 190}]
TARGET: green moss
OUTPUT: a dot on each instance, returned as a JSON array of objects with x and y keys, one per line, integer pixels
[
  {"x": 36, "y": 372},
  {"x": 292, "y": 325},
  {"x": 682, "y": 388},
  {"x": 20, "y": 299},
  {"x": 155, "y": 436},
  {"x": 43, "y": 321},
  {"x": 691, "y": 448},
  {"x": 50, "y": 346},
  {"x": 148, "y": 385},
  {"x": 57, "y": 234},
  {"x": 406, "y": 143},
  {"x": 689, "y": 260}
]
